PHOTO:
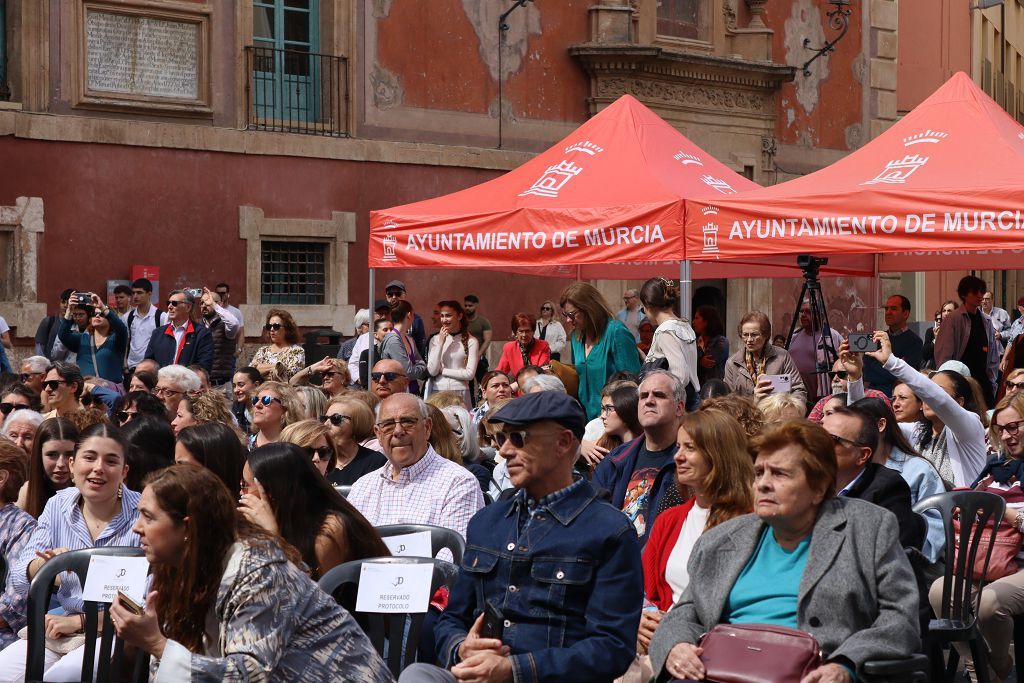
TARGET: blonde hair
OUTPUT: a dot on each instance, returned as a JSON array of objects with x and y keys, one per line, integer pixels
[
  {"x": 442, "y": 438},
  {"x": 445, "y": 399},
  {"x": 361, "y": 416},
  {"x": 293, "y": 408},
  {"x": 207, "y": 405},
  {"x": 774, "y": 407},
  {"x": 314, "y": 400}
]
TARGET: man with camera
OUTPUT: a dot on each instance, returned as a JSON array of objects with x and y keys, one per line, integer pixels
[
  {"x": 905, "y": 344},
  {"x": 181, "y": 341},
  {"x": 551, "y": 585}
]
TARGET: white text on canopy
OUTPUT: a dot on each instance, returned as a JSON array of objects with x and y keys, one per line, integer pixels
[
  {"x": 909, "y": 224},
  {"x": 386, "y": 588},
  {"x": 109, "y": 574},
  {"x": 622, "y": 235}
]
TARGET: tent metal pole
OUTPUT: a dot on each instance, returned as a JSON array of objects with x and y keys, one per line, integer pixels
[
  {"x": 369, "y": 357},
  {"x": 685, "y": 289},
  {"x": 877, "y": 288}
]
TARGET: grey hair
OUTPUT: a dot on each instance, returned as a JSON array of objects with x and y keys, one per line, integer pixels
[
  {"x": 362, "y": 317},
  {"x": 543, "y": 383},
  {"x": 468, "y": 441},
  {"x": 29, "y": 417},
  {"x": 420, "y": 403},
  {"x": 678, "y": 388},
  {"x": 37, "y": 363},
  {"x": 185, "y": 379},
  {"x": 189, "y": 299},
  {"x": 313, "y": 400}
]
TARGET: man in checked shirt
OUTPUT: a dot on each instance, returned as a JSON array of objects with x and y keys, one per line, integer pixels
[{"x": 416, "y": 486}]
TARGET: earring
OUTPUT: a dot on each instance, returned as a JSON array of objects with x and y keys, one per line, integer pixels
[{"x": 120, "y": 491}]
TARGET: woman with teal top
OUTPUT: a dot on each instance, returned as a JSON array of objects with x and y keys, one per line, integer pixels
[
  {"x": 601, "y": 345},
  {"x": 102, "y": 346}
]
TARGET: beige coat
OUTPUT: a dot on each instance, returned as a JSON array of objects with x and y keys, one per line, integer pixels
[{"x": 779, "y": 362}]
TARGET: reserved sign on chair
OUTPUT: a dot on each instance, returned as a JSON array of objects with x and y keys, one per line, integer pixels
[
  {"x": 110, "y": 573},
  {"x": 394, "y": 588},
  {"x": 416, "y": 544}
]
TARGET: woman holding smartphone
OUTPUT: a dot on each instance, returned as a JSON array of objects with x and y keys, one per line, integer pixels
[
  {"x": 453, "y": 353},
  {"x": 101, "y": 347},
  {"x": 754, "y": 370}
]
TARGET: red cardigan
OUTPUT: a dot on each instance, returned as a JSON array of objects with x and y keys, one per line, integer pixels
[
  {"x": 512, "y": 361},
  {"x": 664, "y": 536}
]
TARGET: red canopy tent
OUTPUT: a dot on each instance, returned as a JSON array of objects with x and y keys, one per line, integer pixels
[{"x": 945, "y": 181}]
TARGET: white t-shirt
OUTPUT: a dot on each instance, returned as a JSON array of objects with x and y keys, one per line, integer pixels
[
  {"x": 675, "y": 571},
  {"x": 237, "y": 313},
  {"x": 4, "y": 327}
]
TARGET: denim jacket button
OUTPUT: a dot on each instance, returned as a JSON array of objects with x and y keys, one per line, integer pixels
[
  {"x": 560, "y": 575},
  {"x": 511, "y": 546},
  {"x": 512, "y": 589},
  {"x": 507, "y": 623}
]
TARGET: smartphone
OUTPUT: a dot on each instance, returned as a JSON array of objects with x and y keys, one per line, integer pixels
[
  {"x": 494, "y": 622},
  {"x": 83, "y": 299},
  {"x": 129, "y": 604},
  {"x": 194, "y": 292},
  {"x": 780, "y": 383},
  {"x": 861, "y": 342}
]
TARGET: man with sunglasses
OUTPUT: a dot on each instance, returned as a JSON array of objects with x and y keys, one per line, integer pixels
[
  {"x": 33, "y": 370},
  {"x": 856, "y": 438},
  {"x": 388, "y": 377},
  {"x": 62, "y": 388},
  {"x": 556, "y": 566},
  {"x": 416, "y": 486},
  {"x": 181, "y": 341}
]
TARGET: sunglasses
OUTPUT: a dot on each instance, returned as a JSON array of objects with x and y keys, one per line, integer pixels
[
  {"x": 841, "y": 374},
  {"x": 7, "y": 408},
  {"x": 546, "y": 308},
  {"x": 1010, "y": 428},
  {"x": 1014, "y": 386},
  {"x": 172, "y": 302},
  {"x": 265, "y": 400},
  {"x": 88, "y": 400},
  {"x": 272, "y": 327},
  {"x": 25, "y": 375},
  {"x": 335, "y": 419},
  {"x": 52, "y": 384},
  {"x": 518, "y": 438},
  {"x": 386, "y": 376},
  {"x": 325, "y": 453},
  {"x": 570, "y": 315},
  {"x": 123, "y": 416},
  {"x": 329, "y": 373},
  {"x": 221, "y": 294}
]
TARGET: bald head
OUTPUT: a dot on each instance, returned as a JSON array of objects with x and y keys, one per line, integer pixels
[{"x": 388, "y": 377}]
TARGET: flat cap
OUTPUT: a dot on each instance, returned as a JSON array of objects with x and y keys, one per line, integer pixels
[
  {"x": 540, "y": 406},
  {"x": 381, "y": 304},
  {"x": 395, "y": 284}
]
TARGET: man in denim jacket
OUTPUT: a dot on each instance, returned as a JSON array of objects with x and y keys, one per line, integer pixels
[{"x": 560, "y": 565}]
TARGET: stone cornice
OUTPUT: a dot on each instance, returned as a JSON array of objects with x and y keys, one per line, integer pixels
[{"x": 676, "y": 65}]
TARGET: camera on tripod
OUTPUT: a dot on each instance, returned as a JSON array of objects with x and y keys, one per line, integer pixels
[{"x": 810, "y": 264}]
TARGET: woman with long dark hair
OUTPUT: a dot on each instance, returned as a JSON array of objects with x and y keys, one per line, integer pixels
[
  {"x": 214, "y": 446},
  {"x": 619, "y": 415},
  {"x": 284, "y": 348},
  {"x": 211, "y": 566},
  {"x": 283, "y": 492},
  {"x": 712, "y": 344},
  {"x": 244, "y": 385},
  {"x": 49, "y": 468},
  {"x": 453, "y": 354}
]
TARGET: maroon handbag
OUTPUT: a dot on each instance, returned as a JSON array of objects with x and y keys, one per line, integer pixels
[{"x": 758, "y": 653}]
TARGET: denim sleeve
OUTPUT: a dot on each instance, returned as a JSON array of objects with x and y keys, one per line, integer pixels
[{"x": 612, "y": 619}]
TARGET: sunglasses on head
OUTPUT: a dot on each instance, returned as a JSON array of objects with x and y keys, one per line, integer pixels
[
  {"x": 52, "y": 384},
  {"x": 272, "y": 327},
  {"x": 7, "y": 408},
  {"x": 387, "y": 376},
  {"x": 335, "y": 419},
  {"x": 265, "y": 400}
]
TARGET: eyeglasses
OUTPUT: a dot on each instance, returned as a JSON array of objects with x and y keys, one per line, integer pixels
[
  {"x": 25, "y": 375},
  {"x": 335, "y": 419},
  {"x": 1010, "y": 428},
  {"x": 386, "y": 376},
  {"x": 570, "y": 315},
  {"x": 751, "y": 335},
  {"x": 388, "y": 426},
  {"x": 845, "y": 442},
  {"x": 123, "y": 416},
  {"x": 607, "y": 410},
  {"x": 324, "y": 453},
  {"x": 244, "y": 486},
  {"x": 172, "y": 302},
  {"x": 265, "y": 400},
  {"x": 164, "y": 391},
  {"x": 7, "y": 408},
  {"x": 272, "y": 327},
  {"x": 1014, "y": 386},
  {"x": 518, "y": 438},
  {"x": 52, "y": 384}
]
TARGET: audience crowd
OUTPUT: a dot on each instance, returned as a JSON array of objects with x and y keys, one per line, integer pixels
[{"x": 624, "y": 484}]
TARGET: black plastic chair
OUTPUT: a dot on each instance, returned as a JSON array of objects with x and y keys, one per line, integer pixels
[
  {"x": 398, "y": 634},
  {"x": 109, "y": 666},
  {"x": 913, "y": 669},
  {"x": 343, "y": 490},
  {"x": 958, "y": 618},
  {"x": 440, "y": 537}
]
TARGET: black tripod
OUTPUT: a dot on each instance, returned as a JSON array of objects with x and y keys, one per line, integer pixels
[{"x": 819, "y": 321}]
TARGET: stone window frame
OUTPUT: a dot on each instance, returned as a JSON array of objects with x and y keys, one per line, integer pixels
[
  {"x": 75, "y": 71},
  {"x": 337, "y": 233},
  {"x": 647, "y": 16},
  {"x": 24, "y": 223}
]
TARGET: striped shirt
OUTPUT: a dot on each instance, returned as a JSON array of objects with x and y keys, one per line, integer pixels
[
  {"x": 432, "y": 491},
  {"x": 62, "y": 525},
  {"x": 15, "y": 530}
]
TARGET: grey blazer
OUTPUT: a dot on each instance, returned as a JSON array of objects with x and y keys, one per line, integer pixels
[{"x": 858, "y": 595}]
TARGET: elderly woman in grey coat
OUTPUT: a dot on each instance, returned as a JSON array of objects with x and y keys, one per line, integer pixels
[
  {"x": 747, "y": 370},
  {"x": 832, "y": 567}
]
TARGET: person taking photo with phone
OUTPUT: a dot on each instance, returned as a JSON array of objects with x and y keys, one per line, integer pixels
[
  {"x": 101, "y": 347},
  {"x": 751, "y": 370}
]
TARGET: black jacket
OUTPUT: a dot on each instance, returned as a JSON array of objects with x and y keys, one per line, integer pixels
[
  {"x": 886, "y": 488},
  {"x": 197, "y": 349}
]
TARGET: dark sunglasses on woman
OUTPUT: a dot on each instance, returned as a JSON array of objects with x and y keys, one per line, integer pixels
[
  {"x": 7, "y": 408},
  {"x": 335, "y": 419},
  {"x": 272, "y": 327}
]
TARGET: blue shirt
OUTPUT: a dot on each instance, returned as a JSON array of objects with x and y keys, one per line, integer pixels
[{"x": 767, "y": 588}]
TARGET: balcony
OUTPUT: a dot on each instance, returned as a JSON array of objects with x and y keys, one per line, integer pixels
[{"x": 290, "y": 91}]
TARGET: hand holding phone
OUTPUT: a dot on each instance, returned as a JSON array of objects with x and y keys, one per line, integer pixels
[
  {"x": 780, "y": 383},
  {"x": 129, "y": 604},
  {"x": 494, "y": 622}
]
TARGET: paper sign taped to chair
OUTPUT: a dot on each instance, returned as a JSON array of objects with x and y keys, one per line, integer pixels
[
  {"x": 109, "y": 574},
  {"x": 394, "y": 588},
  {"x": 416, "y": 544}
]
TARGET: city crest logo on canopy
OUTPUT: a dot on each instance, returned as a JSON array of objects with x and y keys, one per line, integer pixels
[
  {"x": 556, "y": 176},
  {"x": 898, "y": 171},
  {"x": 710, "y": 231},
  {"x": 390, "y": 242}
]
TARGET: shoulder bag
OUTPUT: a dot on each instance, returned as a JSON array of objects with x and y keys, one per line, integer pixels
[{"x": 758, "y": 653}]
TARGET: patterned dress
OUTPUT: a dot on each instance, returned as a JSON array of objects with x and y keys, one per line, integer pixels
[
  {"x": 270, "y": 622},
  {"x": 292, "y": 358}
]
